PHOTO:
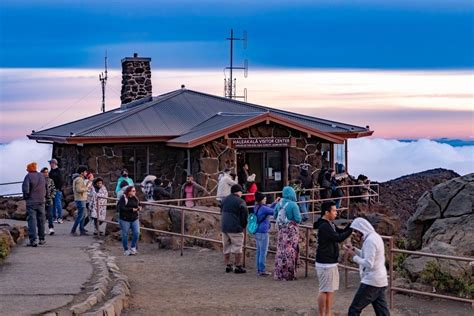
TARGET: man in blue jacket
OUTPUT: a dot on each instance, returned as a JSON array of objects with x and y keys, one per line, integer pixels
[{"x": 327, "y": 254}]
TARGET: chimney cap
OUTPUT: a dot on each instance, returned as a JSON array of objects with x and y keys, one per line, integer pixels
[
  {"x": 183, "y": 86},
  {"x": 135, "y": 58}
]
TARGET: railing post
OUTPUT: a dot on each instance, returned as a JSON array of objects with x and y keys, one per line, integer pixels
[
  {"x": 182, "y": 231},
  {"x": 390, "y": 279},
  {"x": 307, "y": 253},
  {"x": 245, "y": 247},
  {"x": 312, "y": 205}
]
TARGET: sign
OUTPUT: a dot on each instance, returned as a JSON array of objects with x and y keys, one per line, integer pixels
[{"x": 261, "y": 142}]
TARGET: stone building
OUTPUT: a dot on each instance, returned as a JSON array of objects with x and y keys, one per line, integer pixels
[{"x": 188, "y": 132}]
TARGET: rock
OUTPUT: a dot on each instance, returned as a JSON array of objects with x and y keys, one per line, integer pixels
[
  {"x": 209, "y": 165},
  {"x": 421, "y": 287},
  {"x": 415, "y": 264},
  {"x": 71, "y": 208},
  {"x": 20, "y": 214},
  {"x": 155, "y": 217},
  {"x": 401, "y": 282}
]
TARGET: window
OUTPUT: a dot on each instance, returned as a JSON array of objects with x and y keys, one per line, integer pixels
[
  {"x": 326, "y": 155},
  {"x": 135, "y": 160},
  {"x": 340, "y": 158}
]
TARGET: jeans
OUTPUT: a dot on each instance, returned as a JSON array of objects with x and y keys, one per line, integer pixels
[
  {"x": 81, "y": 206},
  {"x": 50, "y": 215},
  {"x": 262, "y": 248},
  {"x": 125, "y": 226},
  {"x": 58, "y": 206},
  {"x": 36, "y": 219},
  {"x": 367, "y": 294},
  {"x": 304, "y": 207},
  {"x": 338, "y": 203}
]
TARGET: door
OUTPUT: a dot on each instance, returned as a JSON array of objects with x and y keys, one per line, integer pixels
[{"x": 267, "y": 166}]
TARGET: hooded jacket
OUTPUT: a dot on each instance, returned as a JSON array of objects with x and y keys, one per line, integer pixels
[
  {"x": 292, "y": 209},
  {"x": 224, "y": 185},
  {"x": 371, "y": 258},
  {"x": 329, "y": 235}
]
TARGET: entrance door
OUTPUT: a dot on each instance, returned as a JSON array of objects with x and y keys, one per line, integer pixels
[{"x": 267, "y": 166}]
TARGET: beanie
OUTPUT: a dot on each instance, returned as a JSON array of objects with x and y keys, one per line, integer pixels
[
  {"x": 236, "y": 188},
  {"x": 259, "y": 196},
  {"x": 31, "y": 167}
]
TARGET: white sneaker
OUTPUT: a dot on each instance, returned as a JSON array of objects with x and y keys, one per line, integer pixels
[
  {"x": 127, "y": 253},
  {"x": 133, "y": 251},
  {"x": 60, "y": 220},
  {"x": 51, "y": 231},
  {"x": 55, "y": 221}
]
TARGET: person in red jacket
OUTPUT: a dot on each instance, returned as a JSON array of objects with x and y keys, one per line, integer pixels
[{"x": 251, "y": 188}]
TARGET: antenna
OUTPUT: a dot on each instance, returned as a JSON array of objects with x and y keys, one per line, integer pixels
[
  {"x": 103, "y": 82},
  {"x": 230, "y": 84}
]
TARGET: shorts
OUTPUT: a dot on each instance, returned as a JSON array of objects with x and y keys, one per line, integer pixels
[
  {"x": 232, "y": 242},
  {"x": 328, "y": 279}
]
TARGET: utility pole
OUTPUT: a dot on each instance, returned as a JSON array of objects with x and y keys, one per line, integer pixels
[
  {"x": 103, "y": 82},
  {"x": 230, "y": 84}
]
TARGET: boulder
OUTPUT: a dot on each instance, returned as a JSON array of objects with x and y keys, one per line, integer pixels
[
  {"x": 155, "y": 217},
  {"x": 19, "y": 214}
]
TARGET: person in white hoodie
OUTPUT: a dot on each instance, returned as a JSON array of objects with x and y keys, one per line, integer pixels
[
  {"x": 223, "y": 187},
  {"x": 373, "y": 274}
]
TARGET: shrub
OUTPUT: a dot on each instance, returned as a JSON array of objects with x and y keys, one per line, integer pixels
[
  {"x": 461, "y": 286},
  {"x": 4, "y": 247}
]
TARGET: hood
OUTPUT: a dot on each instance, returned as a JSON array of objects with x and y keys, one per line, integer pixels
[
  {"x": 363, "y": 226},
  {"x": 318, "y": 223},
  {"x": 289, "y": 194},
  {"x": 75, "y": 175}
]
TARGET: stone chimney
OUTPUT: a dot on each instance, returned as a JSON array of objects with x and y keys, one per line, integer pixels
[{"x": 136, "y": 78}]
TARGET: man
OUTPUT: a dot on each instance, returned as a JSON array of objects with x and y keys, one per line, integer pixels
[
  {"x": 80, "y": 189},
  {"x": 306, "y": 181},
  {"x": 373, "y": 274},
  {"x": 224, "y": 185},
  {"x": 190, "y": 190},
  {"x": 57, "y": 177},
  {"x": 327, "y": 254},
  {"x": 50, "y": 191},
  {"x": 233, "y": 222},
  {"x": 34, "y": 193}
]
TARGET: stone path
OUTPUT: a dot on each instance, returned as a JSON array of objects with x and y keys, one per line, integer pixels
[{"x": 37, "y": 280}]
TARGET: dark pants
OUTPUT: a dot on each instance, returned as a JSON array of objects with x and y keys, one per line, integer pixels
[
  {"x": 50, "y": 215},
  {"x": 36, "y": 219},
  {"x": 367, "y": 294}
]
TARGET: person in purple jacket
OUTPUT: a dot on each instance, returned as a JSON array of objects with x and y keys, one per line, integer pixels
[{"x": 262, "y": 211}]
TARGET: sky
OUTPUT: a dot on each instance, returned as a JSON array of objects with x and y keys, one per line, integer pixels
[{"x": 403, "y": 67}]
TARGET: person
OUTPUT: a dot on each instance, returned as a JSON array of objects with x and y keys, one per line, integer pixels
[
  {"x": 57, "y": 177},
  {"x": 327, "y": 254},
  {"x": 243, "y": 175},
  {"x": 128, "y": 208},
  {"x": 160, "y": 192},
  {"x": 287, "y": 215},
  {"x": 123, "y": 186},
  {"x": 325, "y": 184},
  {"x": 98, "y": 205},
  {"x": 336, "y": 191},
  {"x": 251, "y": 189},
  {"x": 373, "y": 274},
  {"x": 89, "y": 182},
  {"x": 306, "y": 181},
  {"x": 262, "y": 211},
  {"x": 147, "y": 186},
  {"x": 190, "y": 189},
  {"x": 123, "y": 177},
  {"x": 80, "y": 197},
  {"x": 34, "y": 193},
  {"x": 49, "y": 206},
  {"x": 233, "y": 222},
  {"x": 225, "y": 182}
]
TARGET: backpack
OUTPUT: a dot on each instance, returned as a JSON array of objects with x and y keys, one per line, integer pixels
[
  {"x": 253, "y": 223},
  {"x": 282, "y": 220}
]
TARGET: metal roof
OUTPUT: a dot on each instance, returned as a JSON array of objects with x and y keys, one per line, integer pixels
[{"x": 183, "y": 114}]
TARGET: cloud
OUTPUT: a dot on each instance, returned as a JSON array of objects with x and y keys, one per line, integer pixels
[
  {"x": 15, "y": 156},
  {"x": 383, "y": 160}
]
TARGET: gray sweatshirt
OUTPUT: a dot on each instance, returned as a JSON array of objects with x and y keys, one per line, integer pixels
[{"x": 34, "y": 188}]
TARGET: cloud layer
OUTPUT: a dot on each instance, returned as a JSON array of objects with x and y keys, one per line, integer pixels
[{"x": 383, "y": 160}]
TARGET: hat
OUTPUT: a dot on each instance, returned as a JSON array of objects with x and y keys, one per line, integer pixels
[
  {"x": 236, "y": 188},
  {"x": 259, "y": 196},
  {"x": 54, "y": 160},
  {"x": 251, "y": 178}
]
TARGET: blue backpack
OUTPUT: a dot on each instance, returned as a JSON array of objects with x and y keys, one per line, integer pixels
[{"x": 253, "y": 223}]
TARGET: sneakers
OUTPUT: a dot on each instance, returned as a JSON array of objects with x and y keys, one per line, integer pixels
[
  {"x": 127, "y": 253},
  {"x": 55, "y": 221},
  {"x": 84, "y": 233},
  {"x": 133, "y": 251},
  {"x": 264, "y": 274},
  {"x": 229, "y": 268},
  {"x": 42, "y": 242},
  {"x": 60, "y": 221},
  {"x": 51, "y": 231},
  {"x": 32, "y": 244},
  {"x": 239, "y": 269}
]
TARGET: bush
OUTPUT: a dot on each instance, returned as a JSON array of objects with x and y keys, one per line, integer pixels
[
  {"x": 462, "y": 286},
  {"x": 4, "y": 247}
]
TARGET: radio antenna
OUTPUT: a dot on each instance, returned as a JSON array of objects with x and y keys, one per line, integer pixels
[
  {"x": 230, "y": 85},
  {"x": 103, "y": 82}
]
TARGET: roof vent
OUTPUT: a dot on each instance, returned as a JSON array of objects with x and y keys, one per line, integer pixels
[
  {"x": 333, "y": 125},
  {"x": 183, "y": 86}
]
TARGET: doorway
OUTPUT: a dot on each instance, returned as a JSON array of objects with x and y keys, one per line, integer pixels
[{"x": 267, "y": 165}]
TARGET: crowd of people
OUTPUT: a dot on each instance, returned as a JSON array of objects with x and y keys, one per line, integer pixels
[{"x": 42, "y": 192}]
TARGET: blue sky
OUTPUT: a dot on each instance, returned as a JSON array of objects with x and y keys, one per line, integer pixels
[{"x": 398, "y": 34}]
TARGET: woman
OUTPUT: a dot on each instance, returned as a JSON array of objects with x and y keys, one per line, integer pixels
[
  {"x": 128, "y": 208},
  {"x": 123, "y": 177},
  {"x": 98, "y": 205},
  {"x": 262, "y": 211},
  {"x": 287, "y": 215},
  {"x": 251, "y": 188}
]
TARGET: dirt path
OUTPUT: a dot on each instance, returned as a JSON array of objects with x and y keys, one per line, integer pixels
[{"x": 164, "y": 283}]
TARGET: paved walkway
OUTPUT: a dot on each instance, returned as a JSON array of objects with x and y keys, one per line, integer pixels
[{"x": 36, "y": 280}]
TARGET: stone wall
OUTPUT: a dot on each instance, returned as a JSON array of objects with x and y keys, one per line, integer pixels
[{"x": 136, "y": 79}]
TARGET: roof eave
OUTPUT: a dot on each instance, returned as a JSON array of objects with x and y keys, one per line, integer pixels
[
  {"x": 354, "y": 134},
  {"x": 100, "y": 140}
]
